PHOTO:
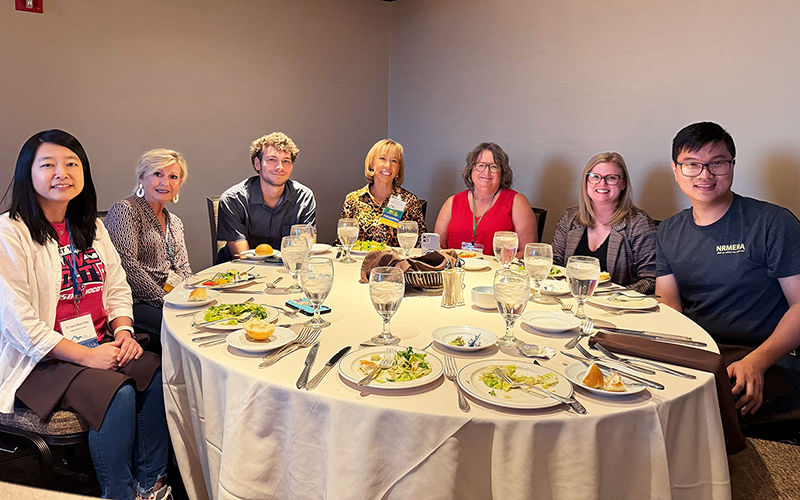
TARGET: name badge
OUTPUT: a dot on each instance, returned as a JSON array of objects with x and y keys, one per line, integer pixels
[
  {"x": 393, "y": 212},
  {"x": 80, "y": 330},
  {"x": 173, "y": 280}
]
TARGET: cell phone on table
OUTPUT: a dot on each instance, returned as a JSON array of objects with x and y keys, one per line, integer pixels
[{"x": 304, "y": 306}]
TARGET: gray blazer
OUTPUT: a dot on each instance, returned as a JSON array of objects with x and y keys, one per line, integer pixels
[{"x": 631, "y": 260}]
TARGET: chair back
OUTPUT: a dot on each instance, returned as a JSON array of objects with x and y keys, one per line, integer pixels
[
  {"x": 423, "y": 205},
  {"x": 101, "y": 214},
  {"x": 212, "y": 203},
  {"x": 541, "y": 217}
]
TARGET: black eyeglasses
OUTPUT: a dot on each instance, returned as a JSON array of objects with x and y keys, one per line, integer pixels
[
  {"x": 695, "y": 168},
  {"x": 611, "y": 179},
  {"x": 480, "y": 167}
]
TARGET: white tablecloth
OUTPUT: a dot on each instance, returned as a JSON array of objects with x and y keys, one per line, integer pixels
[{"x": 244, "y": 432}]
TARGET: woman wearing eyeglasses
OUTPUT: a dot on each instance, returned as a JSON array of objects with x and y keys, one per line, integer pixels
[
  {"x": 488, "y": 205},
  {"x": 607, "y": 225}
]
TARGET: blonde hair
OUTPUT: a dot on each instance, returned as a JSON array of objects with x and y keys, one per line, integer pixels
[
  {"x": 157, "y": 159},
  {"x": 585, "y": 215},
  {"x": 277, "y": 140},
  {"x": 385, "y": 146}
]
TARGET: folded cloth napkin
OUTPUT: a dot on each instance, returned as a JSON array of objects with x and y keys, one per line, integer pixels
[
  {"x": 689, "y": 357},
  {"x": 433, "y": 261}
]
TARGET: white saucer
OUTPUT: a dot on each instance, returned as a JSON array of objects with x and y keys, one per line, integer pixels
[{"x": 551, "y": 321}]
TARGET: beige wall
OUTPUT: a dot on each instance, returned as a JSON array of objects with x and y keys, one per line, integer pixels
[
  {"x": 205, "y": 78},
  {"x": 555, "y": 82}
]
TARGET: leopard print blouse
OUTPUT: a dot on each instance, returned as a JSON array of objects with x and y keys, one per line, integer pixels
[{"x": 362, "y": 206}]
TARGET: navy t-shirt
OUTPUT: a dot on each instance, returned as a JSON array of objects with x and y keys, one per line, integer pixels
[{"x": 727, "y": 272}]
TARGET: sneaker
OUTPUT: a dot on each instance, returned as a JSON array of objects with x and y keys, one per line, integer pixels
[{"x": 165, "y": 493}]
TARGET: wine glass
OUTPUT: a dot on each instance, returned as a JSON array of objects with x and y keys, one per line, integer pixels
[
  {"x": 316, "y": 276},
  {"x": 407, "y": 234},
  {"x": 347, "y": 229},
  {"x": 386, "y": 288},
  {"x": 511, "y": 291},
  {"x": 505, "y": 247},
  {"x": 583, "y": 273},
  {"x": 538, "y": 261},
  {"x": 306, "y": 230},
  {"x": 293, "y": 250}
]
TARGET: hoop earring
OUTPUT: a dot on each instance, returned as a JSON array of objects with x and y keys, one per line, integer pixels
[
  {"x": 140, "y": 191},
  {"x": 177, "y": 197}
]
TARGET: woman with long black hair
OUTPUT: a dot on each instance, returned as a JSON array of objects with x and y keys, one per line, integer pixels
[{"x": 66, "y": 338}]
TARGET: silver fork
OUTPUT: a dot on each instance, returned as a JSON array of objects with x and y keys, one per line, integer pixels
[
  {"x": 567, "y": 308},
  {"x": 586, "y": 330},
  {"x": 629, "y": 362},
  {"x": 272, "y": 285},
  {"x": 572, "y": 402},
  {"x": 307, "y": 337},
  {"x": 286, "y": 312},
  {"x": 385, "y": 363},
  {"x": 451, "y": 372},
  {"x": 632, "y": 366}
]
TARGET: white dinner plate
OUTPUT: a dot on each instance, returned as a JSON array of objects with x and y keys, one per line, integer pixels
[
  {"x": 197, "y": 282},
  {"x": 240, "y": 340},
  {"x": 558, "y": 271},
  {"x": 348, "y": 368},
  {"x": 198, "y": 318},
  {"x": 473, "y": 264},
  {"x": 576, "y": 371},
  {"x": 251, "y": 255},
  {"x": 446, "y": 334},
  {"x": 645, "y": 303},
  {"x": 555, "y": 287},
  {"x": 318, "y": 248},
  {"x": 604, "y": 277},
  {"x": 551, "y": 321},
  {"x": 179, "y": 297},
  {"x": 469, "y": 378}
]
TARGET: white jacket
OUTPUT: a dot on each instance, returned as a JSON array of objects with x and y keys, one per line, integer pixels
[{"x": 30, "y": 284}]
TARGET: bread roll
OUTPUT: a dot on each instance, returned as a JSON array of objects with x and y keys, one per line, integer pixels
[
  {"x": 198, "y": 295},
  {"x": 263, "y": 250},
  {"x": 614, "y": 383},
  {"x": 593, "y": 377},
  {"x": 259, "y": 329}
]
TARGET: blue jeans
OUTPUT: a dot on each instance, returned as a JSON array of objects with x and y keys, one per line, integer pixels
[
  {"x": 134, "y": 434},
  {"x": 147, "y": 319}
]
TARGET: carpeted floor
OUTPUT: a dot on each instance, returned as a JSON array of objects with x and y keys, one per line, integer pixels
[{"x": 766, "y": 470}]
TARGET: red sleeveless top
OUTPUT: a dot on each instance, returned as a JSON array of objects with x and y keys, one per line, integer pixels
[{"x": 497, "y": 218}]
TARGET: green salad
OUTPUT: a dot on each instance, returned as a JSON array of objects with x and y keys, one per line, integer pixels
[
  {"x": 458, "y": 341},
  {"x": 546, "y": 381},
  {"x": 408, "y": 365},
  {"x": 368, "y": 246},
  {"x": 234, "y": 311}
]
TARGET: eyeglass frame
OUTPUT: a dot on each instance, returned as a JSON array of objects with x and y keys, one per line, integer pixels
[
  {"x": 706, "y": 166},
  {"x": 591, "y": 175},
  {"x": 493, "y": 167}
]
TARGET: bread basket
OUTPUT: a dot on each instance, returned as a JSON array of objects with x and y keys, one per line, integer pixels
[{"x": 426, "y": 280}]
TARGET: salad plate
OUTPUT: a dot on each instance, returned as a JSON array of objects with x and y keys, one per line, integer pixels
[
  {"x": 240, "y": 340},
  {"x": 576, "y": 371},
  {"x": 447, "y": 334},
  {"x": 551, "y": 321},
  {"x": 558, "y": 271},
  {"x": 473, "y": 264},
  {"x": 179, "y": 297},
  {"x": 470, "y": 379},
  {"x": 349, "y": 368},
  {"x": 251, "y": 255},
  {"x": 555, "y": 287},
  {"x": 198, "y": 318},
  {"x": 237, "y": 281},
  {"x": 629, "y": 301},
  {"x": 319, "y": 248}
]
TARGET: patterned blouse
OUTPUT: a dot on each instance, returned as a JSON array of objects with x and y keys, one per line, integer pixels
[
  {"x": 362, "y": 206},
  {"x": 139, "y": 238}
]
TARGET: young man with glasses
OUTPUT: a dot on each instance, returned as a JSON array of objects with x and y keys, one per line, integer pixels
[{"x": 732, "y": 265}]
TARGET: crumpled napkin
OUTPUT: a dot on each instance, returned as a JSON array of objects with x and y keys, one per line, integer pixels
[{"x": 433, "y": 261}]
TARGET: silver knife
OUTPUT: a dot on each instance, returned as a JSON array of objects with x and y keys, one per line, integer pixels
[
  {"x": 645, "y": 332},
  {"x": 312, "y": 354},
  {"x": 314, "y": 382},
  {"x": 636, "y": 378},
  {"x": 628, "y": 361}
]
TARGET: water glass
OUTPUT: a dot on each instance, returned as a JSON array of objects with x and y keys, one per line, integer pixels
[
  {"x": 316, "y": 276},
  {"x": 386, "y": 289},
  {"x": 583, "y": 273},
  {"x": 538, "y": 261},
  {"x": 347, "y": 230},
  {"x": 505, "y": 245},
  {"x": 306, "y": 230},
  {"x": 511, "y": 291},
  {"x": 294, "y": 249},
  {"x": 407, "y": 234}
]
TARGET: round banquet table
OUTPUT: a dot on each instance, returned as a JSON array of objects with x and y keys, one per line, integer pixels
[{"x": 244, "y": 432}]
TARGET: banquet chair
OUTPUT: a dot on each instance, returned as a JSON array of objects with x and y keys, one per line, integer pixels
[
  {"x": 765, "y": 470},
  {"x": 101, "y": 214},
  {"x": 24, "y": 428},
  {"x": 423, "y": 205},
  {"x": 212, "y": 202},
  {"x": 541, "y": 216}
]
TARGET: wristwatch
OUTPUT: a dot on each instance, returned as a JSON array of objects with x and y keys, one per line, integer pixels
[{"x": 124, "y": 327}]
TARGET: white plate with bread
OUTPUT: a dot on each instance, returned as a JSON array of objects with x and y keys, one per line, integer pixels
[
  {"x": 254, "y": 255},
  {"x": 197, "y": 297},
  {"x": 279, "y": 338},
  {"x": 577, "y": 372}
]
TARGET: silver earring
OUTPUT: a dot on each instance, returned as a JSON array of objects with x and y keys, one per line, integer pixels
[
  {"x": 177, "y": 197},
  {"x": 140, "y": 191}
]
